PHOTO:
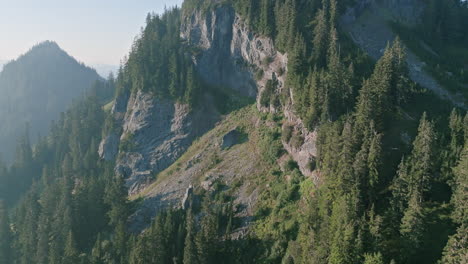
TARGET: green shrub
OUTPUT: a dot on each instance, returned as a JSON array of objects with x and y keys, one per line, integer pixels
[
  {"x": 291, "y": 165},
  {"x": 127, "y": 144},
  {"x": 287, "y": 133},
  {"x": 297, "y": 140},
  {"x": 312, "y": 164},
  {"x": 270, "y": 145},
  {"x": 267, "y": 61},
  {"x": 259, "y": 74}
]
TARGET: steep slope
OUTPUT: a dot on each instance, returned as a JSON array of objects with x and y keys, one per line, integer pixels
[
  {"x": 229, "y": 55},
  {"x": 239, "y": 167},
  {"x": 368, "y": 26},
  {"x": 35, "y": 89},
  {"x": 235, "y": 56},
  {"x": 321, "y": 169},
  {"x": 154, "y": 134}
]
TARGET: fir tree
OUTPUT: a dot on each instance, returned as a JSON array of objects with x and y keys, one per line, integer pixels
[
  {"x": 5, "y": 236},
  {"x": 190, "y": 250},
  {"x": 375, "y": 258},
  {"x": 70, "y": 252}
]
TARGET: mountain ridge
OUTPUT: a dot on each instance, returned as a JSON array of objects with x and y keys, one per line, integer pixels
[{"x": 36, "y": 87}]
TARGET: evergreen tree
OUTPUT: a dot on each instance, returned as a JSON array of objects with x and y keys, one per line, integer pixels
[
  {"x": 266, "y": 21},
  {"x": 412, "y": 226},
  {"x": 320, "y": 38},
  {"x": 456, "y": 249},
  {"x": 5, "y": 236},
  {"x": 422, "y": 158},
  {"x": 190, "y": 250},
  {"x": 70, "y": 252},
  {"x": 375, "y": 258}
]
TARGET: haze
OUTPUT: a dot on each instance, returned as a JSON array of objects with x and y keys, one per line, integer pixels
[{"x": 94, "y": 32}]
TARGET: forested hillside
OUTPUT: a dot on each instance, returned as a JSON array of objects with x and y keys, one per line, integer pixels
[
  {"x": 35, "y": 89},
  {"x": 385, "y": 176}
]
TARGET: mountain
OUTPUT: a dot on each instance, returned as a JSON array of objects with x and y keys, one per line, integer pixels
[
  {"x": 272, "y": 131},
  {"x": 2, "y": 63},
  {"x": 35, "y": 89},
  {"x": 105, "y": 69}
]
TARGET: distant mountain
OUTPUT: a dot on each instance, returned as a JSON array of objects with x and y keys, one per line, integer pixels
[
  {"x": 35, "y": 89},
  {"x": 2, "y": 63},
  {"x": 105, "y": 69}
]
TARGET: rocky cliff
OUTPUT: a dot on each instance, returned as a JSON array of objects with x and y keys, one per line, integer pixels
[
  {"x": 155, "y": 133},
  {"x": 233, "y": 56}
]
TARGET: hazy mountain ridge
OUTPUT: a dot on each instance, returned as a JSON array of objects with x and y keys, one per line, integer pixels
[
  {"x": 35, "y": 88},
  {"x": 105, "y": 69},
  {"x": 2, "y": 63}
]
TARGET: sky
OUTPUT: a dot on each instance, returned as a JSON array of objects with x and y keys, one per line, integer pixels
[{"x": 93, "y": 31}]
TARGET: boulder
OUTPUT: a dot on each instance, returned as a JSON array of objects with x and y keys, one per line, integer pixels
[{"x": 230, "y": 139}]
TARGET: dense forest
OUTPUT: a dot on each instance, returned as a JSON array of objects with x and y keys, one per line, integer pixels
[{"x": 381, "y": 197}]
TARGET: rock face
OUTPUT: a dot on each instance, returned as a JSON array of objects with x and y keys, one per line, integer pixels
[
  {"x": 109, "y": 147},
  {"x": 187, "y": 198},
  {"x": 155, "y": 133},
  {"x": 230, "y": 139},
  {"x": 203, "y": 166},
  {"x": 305, "y": 153},
  {"x": 231, "y": 53}
]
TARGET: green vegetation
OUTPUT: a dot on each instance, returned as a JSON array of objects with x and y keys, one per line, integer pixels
[
  {"x": 441, "y": 41},
  {"x": 158, "y": 62},
  {"x": 389, "y": 181}
]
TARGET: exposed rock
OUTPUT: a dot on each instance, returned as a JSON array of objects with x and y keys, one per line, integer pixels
[
  {"x": 187, "y": 198},
  {"x": 230, "y": 139},
  {"x": 307, "y": 151},
  {"x": 109, "y": 147},
  {"x": 231, "y": 52},
  {"x": 156, "y": 133},
  {"x": 208, "y": 183},
  {"x": 235, "y": 167}
]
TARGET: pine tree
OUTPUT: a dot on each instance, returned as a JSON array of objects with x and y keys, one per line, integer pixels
[
  {"x": 320, "y": 38},
  {"x": 384, "y": 90},
  {"x": 412, "y": 226},
  {"x": 375, "y": 258},
  {"x": 456, "y": 249},
  {"x": 70, "y": 254},
  {"x": 5, "y": 236},
  {"x": 116, "y": 197},
  {"x": 339, "y": 81},
  {"x": 97, "y": 253},
  {"x": 422, "y": 158},
  {"x": 27, "y": 218},
  {"x": 333, "y": 13},
  {"x": 206, "y": 239},
  {"x": 374, "y": 162},
  {"x": 266, "y": 22},
  {"x": 190, "y": 250}
]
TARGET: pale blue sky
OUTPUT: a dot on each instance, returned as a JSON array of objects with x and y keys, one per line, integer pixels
[{"x": 93, "y": 31}]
